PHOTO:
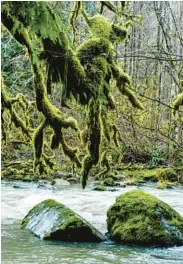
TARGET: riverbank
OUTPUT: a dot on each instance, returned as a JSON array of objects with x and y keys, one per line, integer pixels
[{"x": 165, "y": 177}]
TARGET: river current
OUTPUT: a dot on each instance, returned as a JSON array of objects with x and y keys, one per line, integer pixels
[{"x": 22, "y": 247}]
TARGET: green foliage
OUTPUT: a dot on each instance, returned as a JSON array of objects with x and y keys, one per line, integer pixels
[{"x": 157, "y": 157}]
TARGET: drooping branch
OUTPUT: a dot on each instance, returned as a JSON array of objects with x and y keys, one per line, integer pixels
[
  {"x": 8, "y": 105},
  {"x": 94, "y": 128},
  {"x": 74, "y": 14},
  {"x": 104, "y": 163},
  {"x": 110, "y": 6},
  {"x": 72, "y": 153},
  {"x": 124, "y": 84},
  {"x": 52, "y": 116}
]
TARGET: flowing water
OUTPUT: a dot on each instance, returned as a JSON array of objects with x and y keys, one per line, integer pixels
[{"x": 22, "y": 247}]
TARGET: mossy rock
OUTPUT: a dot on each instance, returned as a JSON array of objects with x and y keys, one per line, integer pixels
[
  {"x": 142, "y": 174},
  {"x": 168, "y": 174},
  {"x": 109, "y": 182},
  {"x": 166, "y": 185},
  {"x": 52, "y": 220},
  {"x": 131, "y": 182},
  {"x": 162, "y": 185},
  {"x": 100, "y": 188},
  {"x": 138, "y": 218}
]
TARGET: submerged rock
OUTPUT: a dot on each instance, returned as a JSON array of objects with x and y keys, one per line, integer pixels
[
  {"x": 100, "y": 188},
  {"x": 138, "y": 218},
  {"x": 60, "y": 183},
  {"x": 52, "y": 220},
  {"x": 164, "y": 185},
  {"x": 73, "y": 180}
]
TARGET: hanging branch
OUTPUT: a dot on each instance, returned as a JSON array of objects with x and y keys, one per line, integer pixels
[
  {"x": 8, "y": 105},
  {"x": 74, "y": 14},
  {"x": 52, "y": 116}
]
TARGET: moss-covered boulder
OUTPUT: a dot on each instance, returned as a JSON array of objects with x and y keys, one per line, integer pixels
[
  {"x": 138, "y": 218},
  {"x": 100, "y": 188},
  {"x": 52, "y": 220},
  {"x": 109, "y": 182},
  {"x": 166, "y": 185},
  {"x": 168, "y": 174}
]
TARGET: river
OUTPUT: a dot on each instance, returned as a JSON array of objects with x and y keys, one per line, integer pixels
[{"x": 22, "y": 247}]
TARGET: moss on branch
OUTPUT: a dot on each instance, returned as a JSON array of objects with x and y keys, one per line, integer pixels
[
  {"x": 8, "y": 106},
  {"x": 85, "y": 75},
  {"x": 178, "y": 102}
]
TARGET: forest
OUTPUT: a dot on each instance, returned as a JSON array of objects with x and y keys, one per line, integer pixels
[{"x": 92, "y": 128}]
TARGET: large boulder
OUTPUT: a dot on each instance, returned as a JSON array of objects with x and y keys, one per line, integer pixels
[
  {"x": 52, "y": 220},
  {"x": 138, "y": 218}
]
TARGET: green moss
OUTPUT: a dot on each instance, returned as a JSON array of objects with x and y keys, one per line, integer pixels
[
  {"x": 106, "y": 131},
  {"x": 119, "y": 33},
  {"x": 109, "y": 97},
  {"x": 142, "y": 219},
  {"x": 73, "y": 17},
  {"x": 65, "y": 225},
  {"x": 132, "y": 182},
  {"x": 100, "y": 26},
  {"x": 38, "y": 139},
  {"x": 100, "y": 188},
  {"x": 167, "y": 174},
  {"x": 72, "y": 153},
  {"x": 140, "y": 173},
  {"x": 40, "y": 207},
  {"x": 86, "y": 167},
  {"x": 178, "y": 101},
  {"x": 109, "y": 182},
  {"x": 124, "y": 84},
  {"x": 54, "y": 117},
  {"x": 84, "y": 74},
  {"x": 84, "y": 136},
  {"x": 104, "y": 162},
  {"x": 8, "y": 107},
  {"x": 94, "y": 47},
  {"x": 162, "y": 185},
  {"x": 94, "y": 126},
  {"x": 116, "y": 135}
]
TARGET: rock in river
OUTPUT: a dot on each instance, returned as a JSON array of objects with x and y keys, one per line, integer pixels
[
  {"x": 138, "y": 218},
  {"x": 52, "y": 220}
]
